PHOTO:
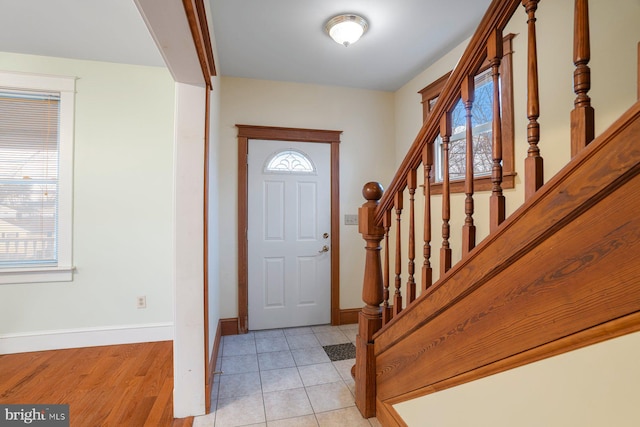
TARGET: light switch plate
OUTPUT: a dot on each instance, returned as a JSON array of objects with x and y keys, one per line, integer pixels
[{"x": 350, "y": 219}]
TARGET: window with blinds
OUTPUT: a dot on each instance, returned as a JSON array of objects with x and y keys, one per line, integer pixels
[
  {"x": 29, "y": 142},
  {"x": 36, "y": 184}
]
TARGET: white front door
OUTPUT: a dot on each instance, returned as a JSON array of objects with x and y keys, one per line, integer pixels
[{"x": 289, "y": 226}]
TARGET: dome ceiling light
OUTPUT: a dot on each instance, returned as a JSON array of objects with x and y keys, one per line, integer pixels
[{"x": 346, "y": 29}]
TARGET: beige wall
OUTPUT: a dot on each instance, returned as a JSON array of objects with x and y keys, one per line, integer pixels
[
  {"x": 408, "y": 108},
  {"x": 366, "y": 119},
  {"x": 614, "y": 39},
  {"x": 122, "y": 226},
  {"x": 592, "y": 387}
]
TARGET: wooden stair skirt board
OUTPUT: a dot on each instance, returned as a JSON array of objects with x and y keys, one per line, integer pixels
[
  {"x": 568, "y": 278},
  {"x": 229, "y": 326}
]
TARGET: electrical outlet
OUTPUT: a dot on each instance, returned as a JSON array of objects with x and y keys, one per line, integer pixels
[
  {"x": 141, "y": 302},
  {"x": 351, "y": 219}
]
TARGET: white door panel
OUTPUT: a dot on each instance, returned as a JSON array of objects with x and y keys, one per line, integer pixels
[
  {"x": 274, "y": 211},
  {"x": 289, "y": 213},
  {"x": 274, "y": 273}
]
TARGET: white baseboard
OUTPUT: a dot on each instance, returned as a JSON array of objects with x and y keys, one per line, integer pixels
[{"x": 85, "y": 337}]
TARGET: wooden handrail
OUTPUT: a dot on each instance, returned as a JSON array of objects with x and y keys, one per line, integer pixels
[
  {"x": 395, "y": 332},
  {"x": 497, "y": 16},
  {"x": 598, "y": 176},
  {"x": 375, "y": 215}
]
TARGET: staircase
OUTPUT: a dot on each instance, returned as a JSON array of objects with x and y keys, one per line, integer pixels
[{"x": 559, "y": 273}]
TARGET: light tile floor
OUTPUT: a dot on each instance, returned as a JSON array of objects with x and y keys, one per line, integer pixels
[{"x": 283, "y": 378}]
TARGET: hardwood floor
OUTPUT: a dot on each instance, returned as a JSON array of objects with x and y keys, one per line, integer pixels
[{"x": 120, "y": 385}]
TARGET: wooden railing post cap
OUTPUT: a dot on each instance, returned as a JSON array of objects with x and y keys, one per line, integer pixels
[{"x": 372, "y": 191}]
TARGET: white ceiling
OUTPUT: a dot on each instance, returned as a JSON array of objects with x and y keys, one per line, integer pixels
[
  {"x": 101, "y": 30},
  {"x": 263, "y": 39}
]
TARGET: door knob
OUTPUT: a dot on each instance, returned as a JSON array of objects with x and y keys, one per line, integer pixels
[{"x": 325, "y": 248}]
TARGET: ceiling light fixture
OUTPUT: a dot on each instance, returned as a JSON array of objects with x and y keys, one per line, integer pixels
[{"x": 346, "y": 29}]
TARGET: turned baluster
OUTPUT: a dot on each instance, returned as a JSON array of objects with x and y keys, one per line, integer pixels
[
  {"x": 397, "y": 297},
  {"x": 411, "y": 282},
  {"x": 497, "y": 200},
  {"x": 445, "y": 251},
  {"x": 370, "y": 317},
  {"x": 386, "y": 308},
  {"x": 582, "y": 115},
  {"x": 468, "y": 229},
  {"x": 533, "y": 165},
  {"x": 427, "y": 273}
]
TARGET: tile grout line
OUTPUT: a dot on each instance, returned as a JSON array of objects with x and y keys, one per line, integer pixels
[
  {"x": 342, "y": 381},
  {"x": 264, "y": 407},
  {"x": 309, "y": 399}
]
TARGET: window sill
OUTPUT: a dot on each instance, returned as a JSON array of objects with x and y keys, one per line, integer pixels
[{"x": 9, "y": 276}]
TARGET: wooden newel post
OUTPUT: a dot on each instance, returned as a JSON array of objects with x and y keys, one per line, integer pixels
[{"x": 370, "y": 317}]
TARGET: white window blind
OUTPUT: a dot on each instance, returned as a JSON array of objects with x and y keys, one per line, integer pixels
[{"x": 29, "y": 171}]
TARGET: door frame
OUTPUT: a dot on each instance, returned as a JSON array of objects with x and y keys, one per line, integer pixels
[{"x": 247, "y": 132}]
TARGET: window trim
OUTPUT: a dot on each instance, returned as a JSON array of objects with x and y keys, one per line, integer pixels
[
  {"x": 483, "y": 183},
  {"x": 65, "y": 86}
]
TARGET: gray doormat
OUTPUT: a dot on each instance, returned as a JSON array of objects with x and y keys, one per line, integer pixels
[{"x": 340, "y": 351}]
